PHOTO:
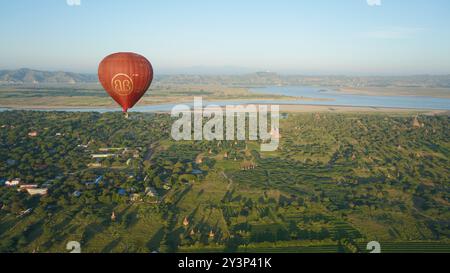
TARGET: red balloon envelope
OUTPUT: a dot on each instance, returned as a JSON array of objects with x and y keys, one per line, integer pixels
[{"x": 126, "y": 77}]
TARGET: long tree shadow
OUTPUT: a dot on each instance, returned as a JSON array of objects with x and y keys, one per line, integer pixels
[
  {"x": 110, "y": 246},
  {"x": 63, "y": 224},
  {"x": 131, "y": 219},
  {"x": 34, "y": 231},
  {"x": 194, "y": 212},
  {"x": 173, "y": 239},
  {"x": 154, "y": 243},
  {"x": 91, "y": 230},
  {"x": 181, "y": 194}
]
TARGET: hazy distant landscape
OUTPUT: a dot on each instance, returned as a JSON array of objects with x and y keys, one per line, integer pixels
[
  {"x": 31, "y": 89},
  {"x": 30, "y": 76}
]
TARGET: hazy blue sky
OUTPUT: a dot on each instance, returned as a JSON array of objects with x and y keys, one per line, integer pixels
[{"x": 309, "y": 36}]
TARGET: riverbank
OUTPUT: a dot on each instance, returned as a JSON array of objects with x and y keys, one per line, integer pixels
[
  {"x": 340, "y": 98},
  {"x": 289, "y": 108},
  {"x": 397, "y": 91},
  {"x": 355, "y": 109}
]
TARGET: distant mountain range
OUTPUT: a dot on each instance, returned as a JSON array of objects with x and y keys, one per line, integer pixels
[{"x": 30, "y": 76}]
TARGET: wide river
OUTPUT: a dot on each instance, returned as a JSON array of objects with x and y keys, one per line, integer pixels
[
  {"x": 338, "y": 98},
  {"x": 325, "y": 96}
]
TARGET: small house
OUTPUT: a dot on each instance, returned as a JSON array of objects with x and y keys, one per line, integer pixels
[
  {"x": 25, "y": 187},
  {"x": 28, "y": 186},
  {"x": 13, "y": 183},
  {"x": 103, "y": 155},
  {"x": 40, "y": 192}
]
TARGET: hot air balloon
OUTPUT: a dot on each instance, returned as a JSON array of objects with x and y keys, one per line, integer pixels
[{"x": 126, "y": 77}]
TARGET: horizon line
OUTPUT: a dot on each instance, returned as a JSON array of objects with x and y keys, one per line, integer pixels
[{"x": 311, "y": 74}]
